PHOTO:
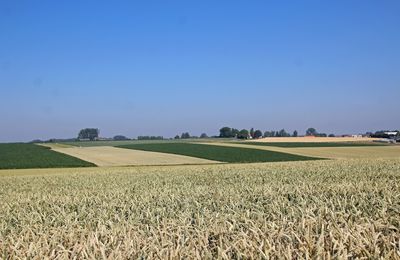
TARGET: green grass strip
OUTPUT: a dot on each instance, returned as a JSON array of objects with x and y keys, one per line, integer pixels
[{"x": 219, "y": 153}]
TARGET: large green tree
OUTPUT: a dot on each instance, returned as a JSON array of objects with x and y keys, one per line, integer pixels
[
  {"x": 243, "y": 134},
  {"x": 311, "y": 132},
  {"x": 203, "y": 135},
  {"x": 89, "y": 133},
  {"x": 257, "y": 134},
  {"x": 225, "y": 132},
  {"x": 185, "y": 135}
]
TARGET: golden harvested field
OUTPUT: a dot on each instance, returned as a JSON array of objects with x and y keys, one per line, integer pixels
[
  {"x": 372, "y": 152},
  {"x": 326, "y": 209},
  {"x": 350, "y": 152},
  {"x": 306, "y": 139},
  {"x": 113, "y": 156}
]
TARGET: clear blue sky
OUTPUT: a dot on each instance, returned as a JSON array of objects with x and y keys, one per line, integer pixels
[{"x": 164, "y": 67}]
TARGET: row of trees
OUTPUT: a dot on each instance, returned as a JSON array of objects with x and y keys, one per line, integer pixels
[
  {"x": 280, "y": 133},
  {"x": 227, "y": 132},
  {"x": 186, "y": 135},
  {"x": 150, "y": 137},
  {"x": 312, "y": 132},
  {"x": 92, "y": 134}
]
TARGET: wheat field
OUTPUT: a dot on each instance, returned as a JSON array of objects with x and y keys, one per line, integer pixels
[{"x": 326, "y": 209}]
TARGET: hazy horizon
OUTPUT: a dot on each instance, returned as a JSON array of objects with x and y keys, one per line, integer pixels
[{"x": 164, "y": 68}]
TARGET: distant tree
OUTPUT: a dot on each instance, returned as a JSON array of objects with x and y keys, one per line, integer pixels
[
  {"x": 203, "y": 135},
  {"x": 37, "y": 141},
  {"x": 89, "y": 133},
  {"x": 283, "y": 133},
  {"x": 311, "y": 132},
  {"x": 243, "y": 134},
  {"x": 176, "y": 137},
  {"x": 321, "y": 135},
  {"x": 185, "y": 135},
  {"x": 120, "y": 138},
  {"x": 331, "y": 135},
  {"x": 257, "y": 134},
  {"x": 225, "y": 132},
  {"x": 235, "y": 132},
  {"x": 369, "y": 133},
  {"x": 269, "y": 134},
  {"x": 252, "y": 132},
  {"x": 381, "y": 133},
  {"x": 295, "y": 134}
]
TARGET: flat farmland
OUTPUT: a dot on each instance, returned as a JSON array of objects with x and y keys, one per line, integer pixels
[
  {"x": 327, "y": 209},
  {"x": 113, "y": 156},
  {"x": 387, "y": 152},
  {"x": 313, "y": 144},
  {"x": 221, "y": 153},
  {"x": 334, "y": 152}
]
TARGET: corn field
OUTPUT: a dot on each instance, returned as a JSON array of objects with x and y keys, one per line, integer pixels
[{"x": 309, "y": 209}]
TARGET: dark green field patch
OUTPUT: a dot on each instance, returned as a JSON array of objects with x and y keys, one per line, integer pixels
[
  {"x": 25, "y": 156},
  {"x": 219, "y": 153},
  {"x": 310, "y": 144}
]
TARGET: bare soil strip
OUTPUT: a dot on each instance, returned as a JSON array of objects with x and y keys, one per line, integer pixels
[
  {"x": 55, "y": 145},
  {"x": 112, "y": 156},
  {"x": 384, "y": 152}
]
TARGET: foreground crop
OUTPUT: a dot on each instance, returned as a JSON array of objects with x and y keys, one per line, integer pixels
[{"x": 286, "y": 210}]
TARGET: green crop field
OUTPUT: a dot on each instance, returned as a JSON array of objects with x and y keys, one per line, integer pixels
[
  {"x": 314, "y": 144},
  {"x": 20, "y": 156},
  {"x": 329, "y": 209},
  {"x": 219, "y": 153}
]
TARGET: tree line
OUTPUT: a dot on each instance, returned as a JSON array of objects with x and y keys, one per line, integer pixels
[
  {"x": 186, "y": 135},
  {"x": 228, "y": 132},
  {"x": 92, "y": 134}
]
